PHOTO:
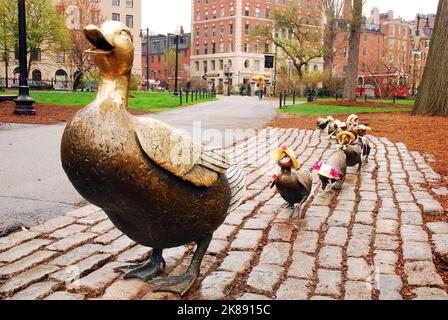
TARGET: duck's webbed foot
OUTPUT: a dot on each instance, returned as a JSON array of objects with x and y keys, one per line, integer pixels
[
  {"x": 145, "y": 271},
  {"x": 182, "y": 284},
  {"x": 288, "y": 205},
  {"x": 297, "y": 211}
]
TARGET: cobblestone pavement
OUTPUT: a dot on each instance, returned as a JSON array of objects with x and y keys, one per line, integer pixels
[{"x": 368, "y": 241}]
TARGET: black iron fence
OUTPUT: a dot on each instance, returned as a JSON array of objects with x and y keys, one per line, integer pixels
[
  {"x": 52, "y": 84},
  {"x": 190, "y": 96},
  {"x": 292, "y": 97}
]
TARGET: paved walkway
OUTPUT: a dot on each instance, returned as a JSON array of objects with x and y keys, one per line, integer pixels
[
  {"x": 368, "y": 241},
  {"x": 34, "y": 187}
]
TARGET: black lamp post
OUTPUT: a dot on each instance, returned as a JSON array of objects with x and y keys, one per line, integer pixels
[
  {"x": 147, "y": 56},
  {"x": 176, "y": 73},
  {"x": 417, "y": 47},
  {"x": 24, "y": 103}
]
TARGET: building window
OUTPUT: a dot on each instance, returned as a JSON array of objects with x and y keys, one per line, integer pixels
[
  {"x": 247, "y": 11},
  {"x": 60, "y": 57},
  {"x": 196, "y": 64},
  {"x": 130, "y": 21},
  {"x": 230, "y": 29},
  {"x": 129, "y": 3},
  {"x": 213, "y": 48},
  {"x": 231, "y": 10},
  {"x": 36, "y": 75},
  {"x": 35, "y": 55},
  {"x": 257, "y": 12},
  {"x": 115, "y": 2},
  {"x": 364, "y": 51},
  {"x": 205, "y": 48},
  {"x": 268, "y": 13},
  {"x": 115, "y": 16}
]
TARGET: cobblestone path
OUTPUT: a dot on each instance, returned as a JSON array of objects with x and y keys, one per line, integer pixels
[{"x": 368, "y": 241}]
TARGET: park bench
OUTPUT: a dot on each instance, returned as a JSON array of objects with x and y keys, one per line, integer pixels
[{"x": 7, "y": 97}]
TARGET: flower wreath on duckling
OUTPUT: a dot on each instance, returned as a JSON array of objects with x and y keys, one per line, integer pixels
[{"x": 326, "y": 171}]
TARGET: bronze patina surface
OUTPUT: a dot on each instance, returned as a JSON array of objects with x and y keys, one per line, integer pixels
[
  {"x": 294, "y": 186},
  {"x": 157, "y": 186}
]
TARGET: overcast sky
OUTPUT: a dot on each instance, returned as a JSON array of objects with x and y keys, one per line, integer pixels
[{"x": 162, "y": 16}]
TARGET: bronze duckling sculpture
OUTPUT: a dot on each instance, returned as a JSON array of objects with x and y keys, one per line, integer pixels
[
  {"x": 332, "y": 174},
  {"x": 362, "y": 140},
  {"x": 352, "y": 150},
  {"x": 323, "y": 123},
  {"x": 293, "y": 186},
  {"x": 157, "y": 185}
]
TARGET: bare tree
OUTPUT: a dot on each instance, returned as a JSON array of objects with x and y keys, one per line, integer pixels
[
  {"x": 432, "y": 98},
  {"x": 78, "y": 14},
  {"x": 353, "y": 54},
  {"x": 299, "y": 40},
  {"x": 333, "y": 15}
]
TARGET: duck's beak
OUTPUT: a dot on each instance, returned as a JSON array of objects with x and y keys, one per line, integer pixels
[{"x": 96, "y": 37}]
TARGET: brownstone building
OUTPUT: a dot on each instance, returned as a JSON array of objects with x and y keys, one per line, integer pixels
[
  {"x": 222, "y": 42},
  {"x": 161, "y": 62},
  {"x": 389, "y": 45}
]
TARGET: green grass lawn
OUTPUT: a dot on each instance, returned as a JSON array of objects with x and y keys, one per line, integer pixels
[
  {"x": 146, "y": 101},
  {"x": 407, "y": 102},
  {"x": 316, "y": 109}
]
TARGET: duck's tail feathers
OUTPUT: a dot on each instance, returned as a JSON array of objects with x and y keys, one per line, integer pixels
[{"x": 237, "y": 182}]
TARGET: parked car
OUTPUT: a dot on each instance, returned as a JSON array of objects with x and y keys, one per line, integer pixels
[{"x": 39, "y": 85}]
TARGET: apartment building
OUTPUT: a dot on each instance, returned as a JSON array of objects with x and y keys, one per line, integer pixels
[
  {"x": 223, "y": 47},
  {"x": 54, "y": 68},
  {"x": 385, "y": 41},
  {"x": 161, "y": 64}
]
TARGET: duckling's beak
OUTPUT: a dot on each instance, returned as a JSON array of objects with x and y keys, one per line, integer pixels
[
  {"x": 96, "y": 37},
  {"x": 285, "y": 160}
]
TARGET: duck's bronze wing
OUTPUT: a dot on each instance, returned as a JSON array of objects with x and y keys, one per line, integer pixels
[
  {"x": 176, "y": 152},
  {"x": 305, "y": 179}
]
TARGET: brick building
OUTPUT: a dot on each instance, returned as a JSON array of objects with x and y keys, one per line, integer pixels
[
  {"x": 161, "y": 63},
  {"x": 388, "y": 43},
  {"x": 54, "y": 67},
  {"x": 222, "y": 39}
]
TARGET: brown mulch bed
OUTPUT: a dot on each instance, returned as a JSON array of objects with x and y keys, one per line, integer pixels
[
  {"x": 368, "y": 104},
  {"x": 45, "y": 114},
  {"x": 419, "y": 133}
]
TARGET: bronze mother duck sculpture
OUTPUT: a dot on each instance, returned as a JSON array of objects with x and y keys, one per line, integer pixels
[{"x": 157, "y": 185}]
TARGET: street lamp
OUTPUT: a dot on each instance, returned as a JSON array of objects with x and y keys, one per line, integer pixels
[
  {"x": 275, "y": 70},
  {"x": 24, "y": 103},
  {"x": 176, "y": 74},
  {"x": 147, "y": 56},
  {"x": 417, "y": 48},
  {"x": 419, "y": 17}
]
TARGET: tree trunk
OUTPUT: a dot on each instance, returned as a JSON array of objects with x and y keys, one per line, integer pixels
[
  {"x": 432, "y": 98},
  {"x": 351, "y": 80},
  {"x": 329, "y": 40},
  {"x": 301, "y": 84}
]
